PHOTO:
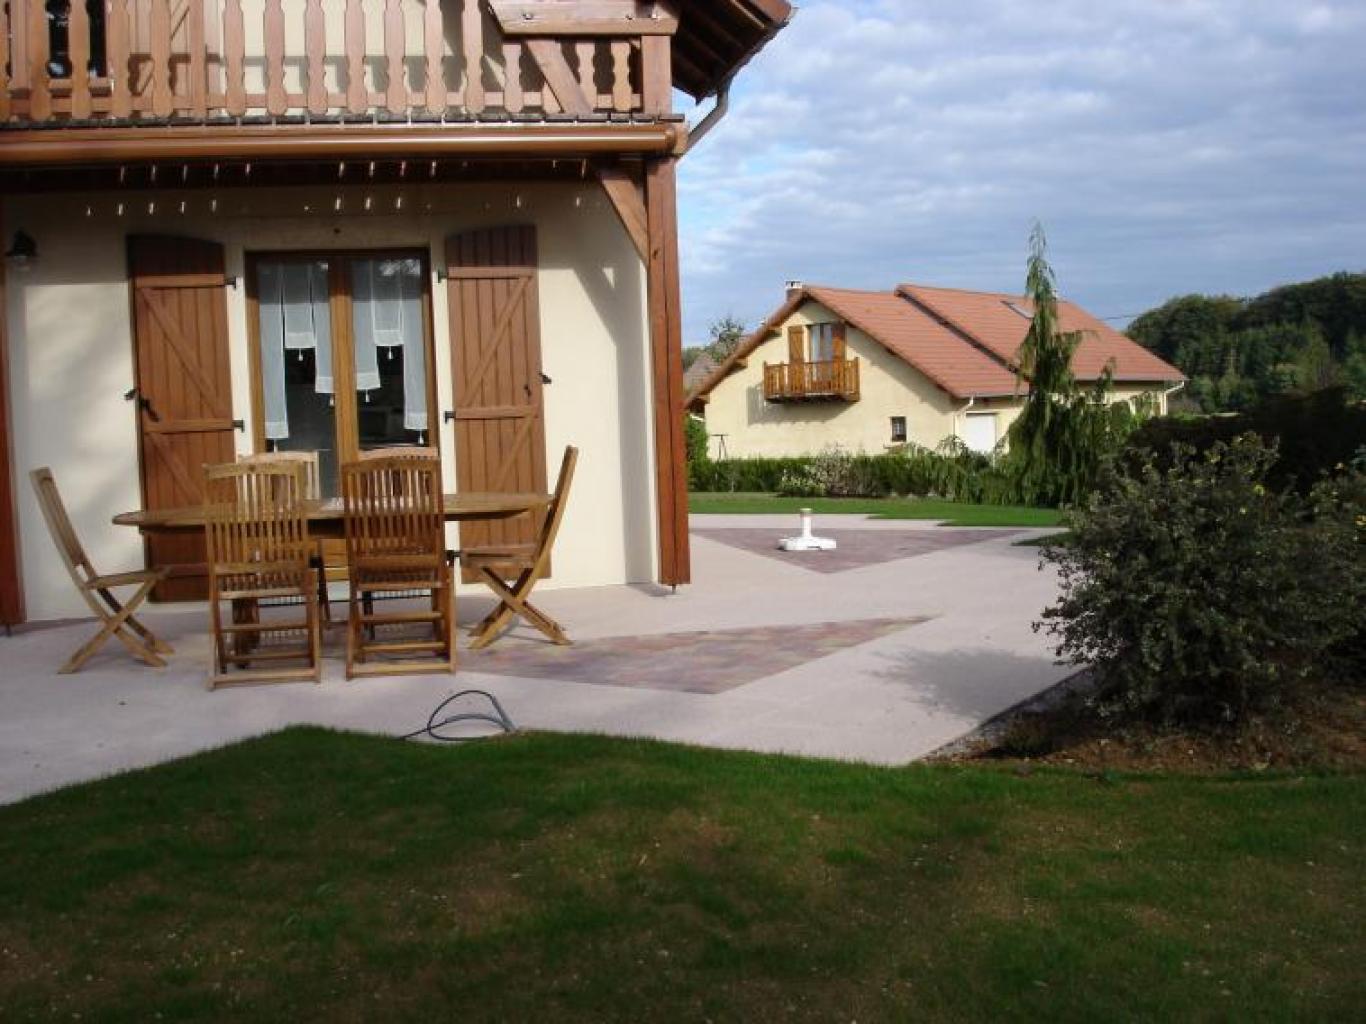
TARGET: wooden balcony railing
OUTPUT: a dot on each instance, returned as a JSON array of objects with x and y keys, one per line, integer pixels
[
  {"x": 835, "y": 380},
  {"x": 77, "y": 60}
]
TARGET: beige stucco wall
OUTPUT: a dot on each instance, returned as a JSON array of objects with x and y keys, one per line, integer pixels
[
  {"x": 755, "y": 427},
  {"x": 71, "y": 351},
  {"x": 888, "y": 385}
]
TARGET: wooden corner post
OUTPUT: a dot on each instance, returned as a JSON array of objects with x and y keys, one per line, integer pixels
[
  {"x": 11, "y": 586},
  {"x": 666, "y": 352}
]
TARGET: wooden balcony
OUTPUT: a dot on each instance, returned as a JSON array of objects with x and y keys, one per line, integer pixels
[
  {"x": 220, "y": 70},
  {"x": 834, "y": 381}
]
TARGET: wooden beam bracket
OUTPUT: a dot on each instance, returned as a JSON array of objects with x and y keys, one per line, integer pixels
[{"x": 628, "y": 199}]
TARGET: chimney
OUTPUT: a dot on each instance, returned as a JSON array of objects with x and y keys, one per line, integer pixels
[{"x": 794, "y": 288}]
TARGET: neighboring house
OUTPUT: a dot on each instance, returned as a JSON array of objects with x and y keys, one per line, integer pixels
[
  {"x": 345, "y": 226},
  {"x": 702, "y": 367},
  {"x": 866, "y": 371}
]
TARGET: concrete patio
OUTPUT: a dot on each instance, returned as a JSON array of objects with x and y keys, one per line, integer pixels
[{"x": 914, "y": 636}]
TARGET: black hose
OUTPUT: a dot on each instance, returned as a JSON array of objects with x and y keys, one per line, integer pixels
[{"x": 499, "y": 717}]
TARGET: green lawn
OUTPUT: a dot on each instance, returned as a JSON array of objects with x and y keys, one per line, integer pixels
[
  {"x": 952, "y": 512},
  {"x": 314, "y": 875}
]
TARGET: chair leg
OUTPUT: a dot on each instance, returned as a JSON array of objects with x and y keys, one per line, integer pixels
[
  {"x": 152, "y": 640},
  {"x": 113, "y": 626},
  {"x": 448, "y": 621},
  {"x": 513, "y": 601},
  {"x": 218, "y": 661},
  {"x": 352, "y": 630},
  {"x": 315, "y": 644}
]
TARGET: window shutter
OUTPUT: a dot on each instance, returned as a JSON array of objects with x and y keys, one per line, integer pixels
[
  {"x": 796, "y": 344},
  {"x": 496, "y": 361},
  {"x": 840, "y": 345},
  {"x": 184, "y": 381}
]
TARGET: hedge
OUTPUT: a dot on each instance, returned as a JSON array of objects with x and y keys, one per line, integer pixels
[{"x": 1314, "y": 433}]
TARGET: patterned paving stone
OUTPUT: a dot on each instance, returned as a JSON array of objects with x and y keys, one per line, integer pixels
[
  {"x": 712, "y": 662},
  {"x": 855, "y": 548}
]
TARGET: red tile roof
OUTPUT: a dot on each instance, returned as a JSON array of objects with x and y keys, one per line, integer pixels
[
  {"x": 1000, "y": 322},
  {"x": 934, "y": 350},
  {"x": 702, "y": 368},
  {"x": 965, "y": 342}
]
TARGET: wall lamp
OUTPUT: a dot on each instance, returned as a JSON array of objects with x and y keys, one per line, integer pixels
[{"x": 22, "y": 252}]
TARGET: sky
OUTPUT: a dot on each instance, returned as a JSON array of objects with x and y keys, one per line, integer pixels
[{"x": 1167, "y": 146}]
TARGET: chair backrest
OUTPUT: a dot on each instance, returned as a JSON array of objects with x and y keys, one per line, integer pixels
[
  {"x": 392, "y": 507},
  {"x": 59, "y": 525},
  {"x": 256, "y": 521},
  {"x": 558, "y": 502},
  {"x": 309, "y": 461},
  {"x": 399, "y": 451}
]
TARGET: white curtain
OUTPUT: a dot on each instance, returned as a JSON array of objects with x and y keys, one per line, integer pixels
[
  {"x": 322, "y": 329},
  {"x": 295, "y": 316},
  {"x": 362, "y": 297},
  {"x": 270, "y": 291},
  {"x": 388, "y": 315}
]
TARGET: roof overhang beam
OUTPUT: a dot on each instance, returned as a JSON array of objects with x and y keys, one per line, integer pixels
[{"x": 94, "y": 146}]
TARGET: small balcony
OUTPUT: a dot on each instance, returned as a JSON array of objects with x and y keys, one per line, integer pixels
[{"x": 836, "y": 380}]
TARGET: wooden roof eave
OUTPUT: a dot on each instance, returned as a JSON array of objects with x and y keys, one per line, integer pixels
[
  {"x": 767, "y": 17},
  {"x": 93, "y": 146}
]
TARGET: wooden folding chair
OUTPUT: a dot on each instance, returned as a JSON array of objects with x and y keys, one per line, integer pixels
[
  {"x": 116, "y": 617},
  {"x": 400, "y": 451},
  {"x": 395, "y": 544},
  {"x": 325, "y": 555},
  {"x": 529, "y": 561},
  {"x": 307, "y": 461},
  {"x": 259, "y": 550}
]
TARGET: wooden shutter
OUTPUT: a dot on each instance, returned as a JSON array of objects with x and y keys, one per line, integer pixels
[
  {"x": 796, "y": 344},
  {"x": 496, "y": 365},
  {"x": 841, "y": 341},
  {"x": 184, "y": 390}
]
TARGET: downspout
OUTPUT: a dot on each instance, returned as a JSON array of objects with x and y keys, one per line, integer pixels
[
  {"x": 722, "y": 104},
  {"x": 962, "y": 412},
  {"x": 714, "y": 115}
]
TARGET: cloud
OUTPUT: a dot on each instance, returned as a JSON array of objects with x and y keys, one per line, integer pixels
[{"x": 1168, "y": 146}]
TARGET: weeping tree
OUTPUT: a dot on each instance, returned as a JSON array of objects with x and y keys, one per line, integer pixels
[{"x": 1064, "y": 430}]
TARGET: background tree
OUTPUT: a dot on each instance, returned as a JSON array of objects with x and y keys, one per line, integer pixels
[
  {"x": 1063, "y": 432},
  {"x": 1238, "y": 352},
  {"x": 726, "y": 335}
]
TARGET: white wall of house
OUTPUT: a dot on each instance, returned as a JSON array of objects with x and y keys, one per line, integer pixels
[
  {"x": 71, "y": 357},
  {"x": 889, "y": 387}
]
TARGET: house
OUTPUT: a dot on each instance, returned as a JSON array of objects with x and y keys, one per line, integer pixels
[
  {"x": 235, "y": 228},
  {"x": 702, "y": 367},
  {"x": 870, "y": 370}
]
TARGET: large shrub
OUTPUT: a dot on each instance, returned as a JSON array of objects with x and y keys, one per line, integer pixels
[{"x": 1198, "y": 592}]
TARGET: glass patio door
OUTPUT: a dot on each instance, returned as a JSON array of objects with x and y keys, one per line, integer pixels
[{"x": 342, "y": 355}]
